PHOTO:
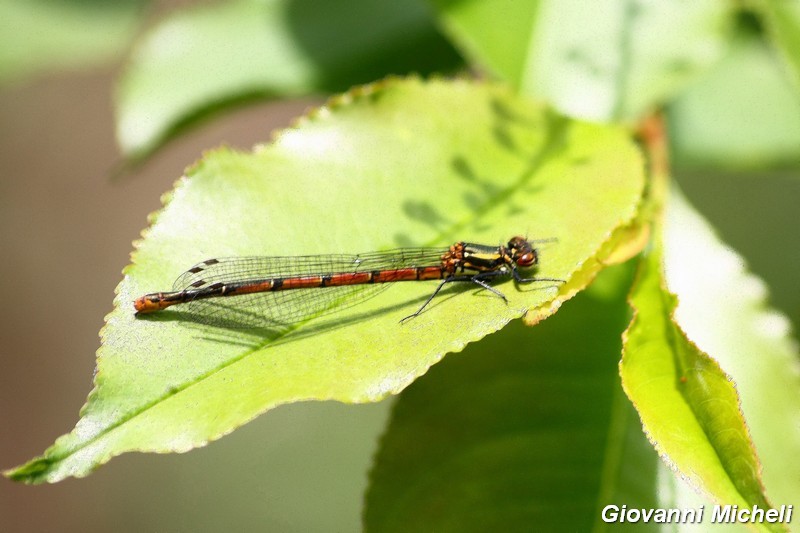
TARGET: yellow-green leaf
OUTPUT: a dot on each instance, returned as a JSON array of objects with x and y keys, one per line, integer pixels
[
  {"x": 399, "y": 163},
  {"x": 688, "y": 405},
  {"x": 723, "y": 308}
]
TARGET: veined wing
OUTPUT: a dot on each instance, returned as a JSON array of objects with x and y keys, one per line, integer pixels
[{"x": 285, "y": 307}]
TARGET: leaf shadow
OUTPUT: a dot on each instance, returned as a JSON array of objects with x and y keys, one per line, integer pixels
[{"x": 486, "y": 193}]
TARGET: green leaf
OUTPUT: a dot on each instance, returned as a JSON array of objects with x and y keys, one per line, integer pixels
[
  {"x": 203, "y": 60},
  {"x": 782, "y": 19},
  {"x": 399, "y": 163},
  {"x": 493, "y": 33},
  {"x": 688, "y": 404},
  {"x": 528, "y": 426},
  {"x": 610, "y": 60},
  {"x": 675, "y": 493},
  {"x": 38, "y": 36},
  {"x": 725, "y": 121},
  {"x": 723, "y": 309}
]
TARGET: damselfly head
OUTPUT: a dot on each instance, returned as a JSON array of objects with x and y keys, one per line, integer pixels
[{"x": 523, "y": 254}]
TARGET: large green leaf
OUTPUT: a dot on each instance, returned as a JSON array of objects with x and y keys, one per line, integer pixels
[
  {"x": 43, "y": 35},
  {"x": 688, "y": 404},
  {"x": 724, "y": 122},
  {"x": 723, "y": 309},
  {"x": 494, "y": 34},
  {"x": 199, "y": 61},
  {"x": 393, "y": 164},
  {"x": 594, "y": 60},
  {"x": 526, "y": 429}
]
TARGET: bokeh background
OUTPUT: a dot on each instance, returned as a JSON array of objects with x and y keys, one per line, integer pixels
[{"x": 66, "y": 229}]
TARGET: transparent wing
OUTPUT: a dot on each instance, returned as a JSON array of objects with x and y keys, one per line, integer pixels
[{"x": 285, "y": 307}]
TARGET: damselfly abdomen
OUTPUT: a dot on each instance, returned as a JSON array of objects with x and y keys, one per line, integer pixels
[{"x": 285, "y": 290}]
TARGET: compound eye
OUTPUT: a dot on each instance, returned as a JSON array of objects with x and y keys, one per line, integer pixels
[{"x": 526, "y": 259}]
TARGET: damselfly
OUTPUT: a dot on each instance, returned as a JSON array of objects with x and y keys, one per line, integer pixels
[{"x": 285, "y": 290}]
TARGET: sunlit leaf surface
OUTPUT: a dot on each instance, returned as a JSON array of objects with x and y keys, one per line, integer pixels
[{"x": 400, "y": 163}]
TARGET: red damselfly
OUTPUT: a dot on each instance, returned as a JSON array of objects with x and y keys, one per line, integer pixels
[{"x": 285, "y": 290}]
